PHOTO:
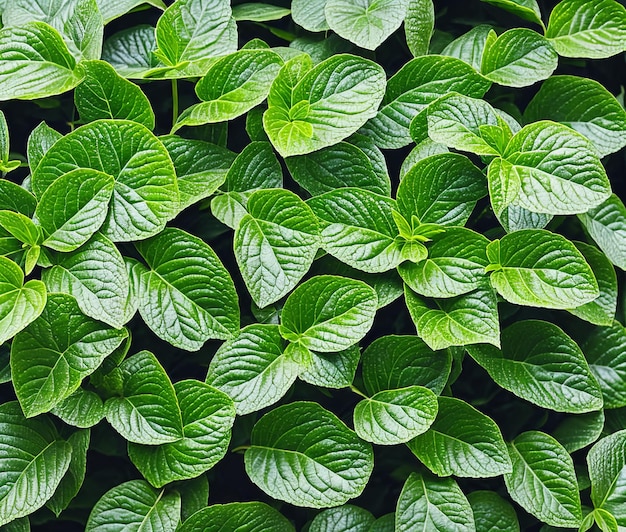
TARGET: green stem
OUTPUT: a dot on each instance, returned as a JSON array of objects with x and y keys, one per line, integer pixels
[
  {"x": 174, "y": 101},
  {"x": 358, "y": 392},
  {"x": 240, "y": 448}
]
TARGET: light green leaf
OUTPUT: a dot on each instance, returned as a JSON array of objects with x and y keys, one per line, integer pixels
[
  {"x": 357, "y": 227},
  {"x": 255, "y": 368},
  {"x": 419, "y": 24},
  {"x": 526, "y": 9},
  {"x": 39, "y": 142},
  {"x": 16, "y": 198},
  {"x": 73, "y": 479},
  {"x": 518, "y": 58},
  {"x": 514, "y": 218},
  {"x": 328, "y": 313},
  {"x": 366, "y": 23},
  {"x": 605, "y": 350},
  {"x": 324, "y": 106},
  {"x": 35, "y": 62},
  {"x": 309, "y": 14},
  {"x": 303, "y": 454},
  {"x": 418, "y": 83},
  {"x": 135, "y": 505},
  {"x": 346, "y": 518},
  {"x": 543, "y": 481},
  {"x": 208, "y": 416},
  {"x": 233, "y": 85},
  {"x": 462, "y": 442},
  {"x": 201, "y": 167},
  {"x": 578, "y": 431},
  {"x": 74, "y": 207},
  {"x": 82, "y": 409},
  {"x": 148, "y": 411},
  {"x": 20, "y": 303},
  {"x": 6, "y": 165},
  {"x": 112, "y": 9},
  {"x": 237, "y": 517},
  {"x": 193, "y": 32},
  {"x": 32, "y": 463},
  {"x": 332, "y": 370},
  {"x": 540, "y": 363},
  {"x": 468, "y": 319},
  {"x": 129, "y": 52},
  {"x": 424, "y": 149},
  {"x": 470, "y": 46},
  {"x": 582, "y": 28},
  {"x": 20, "y": 227},
  {"x": 606, "y": 224},
  {"x": 337, "y": 166},
  {"x": 492, "y": 513},
  {"x": 392, "y": 417},
  {"x": 105, "y": 94},
  {"x": 600, "y": 311},
  {"x": 602, "y": 119},
  {"x": 95, "y": 274},
  {"x": 258, "y": 12},
  {"x": 275, "y": 244},
  {"x": 433, "y": 504},
  {"x": 607, "y": 466},
  {"x": 145, "y": 196},
  {"x": 542, "y": 269},
  {"x": 392, "y": 362},
  {"x": 455, "y": 265},
  {"x": 186, "y": 296},
  {"x": 51, "y": 357}
]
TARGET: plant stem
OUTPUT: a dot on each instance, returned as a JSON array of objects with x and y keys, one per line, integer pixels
[
  {"x": 174, "y": 101},
  {"x": 358, "y": 392}
]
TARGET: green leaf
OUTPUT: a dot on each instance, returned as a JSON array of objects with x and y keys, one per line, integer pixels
[
  {"x": 135, "y": 505},
  {"x": 324, "y": 106},
  {"x": 103, "y": 93},
  {"x": 112, "y": 9},
  {"x": 303, "y": 454},
  {"x": 74, "y": 207},
  {"x": 492, "y": 513},
  {"x": 392, "y": 362},
  {"x": 606, "y": 224},
  {"x": 208, "y": 415},
  {"x": 419, "y": 24},
  {"x": 17, "y": 199},
  {"x": 518, "y": 58},
  {"x": 607, "y": 463},
  {"x": 201, "y": 167},
  {"x": 129, "y": 52},
  {"x": 346, "y": 518},
  {"x": 195, "y": 31},
  {"x": 605, "y": 350},
  {"x": 32, "y": 463},
  {"x": 540, "y": 363},
  {"x": 145, "y": 196},
  {"x": 455, "y": 265},
  {"x": 51, "y": 357},
  {"x": 424, "y": 149},
  {"x": 602, "y": 119},
  {"x": 275, "y": 244},
  {"x": 20, "y": 227},
  {"x": 35, "y": 62},
  {"x": 600, "y": 311},
  {"x": 39, "y": 142},
  {"x": 258, "y": 12},
  {"x": 470, "y": 46},
  {"x": 542, "y": 269},
  {"x": 396, "y": 416},
  {"x": 595, "y": 29},
  {"x": 186, "y": 296},
  {"x": 332, "y": 370},
  {"x": 73, "y": 479},
  {"x": 237, "y": 517},
  {"x": 543, "y": 481},
  {"x": 255, "y": 368},
  {"x": 526, "y": 9},
  {"x": 328, "y": 313},
  {"x": 95, "y": 274},
  {"x": 20, "y": 303},
  {"x": 233, "y": 85},
  {"x": 418, "y": 83},
  {"x": 338, "y": 166},
  {"x": 148, "y": 411},
  {"x": 514, "y": 218},
  {"x": 310, "y": 14},
  {"x": 366, "y": 23},
  {"x": 462, "y": 442},
  {"x": 357, "y": 227},
  {"x": 194, "y": 495},
  {"x": 82, "y": 409},
  {"x": 468, "y": 319},
  {"x": 433, "y": 504},
  {"x": 578, "y": 431},
  {"x": 6, "y": 165}
]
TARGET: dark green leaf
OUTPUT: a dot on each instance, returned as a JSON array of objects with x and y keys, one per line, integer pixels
[
  {"x": 258, "y": 12},
  {"x": 82, "y": 409},
  {"x": 526, "y": 9},
  {"x": 129, "y": 51},
  {"x": 607, "y": 464},
  {"x": 576, "y": 432},
  {"x": 346, "y": 518},
  {"x": 332, "y": 370},
  {"x": 237, "y": 517}
]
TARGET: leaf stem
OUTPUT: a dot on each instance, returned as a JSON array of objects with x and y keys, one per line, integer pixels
[
  {"x": 174, "y": 101},
  {"x": 358, "y": 392},
  {"x": 240, "y": 448}
]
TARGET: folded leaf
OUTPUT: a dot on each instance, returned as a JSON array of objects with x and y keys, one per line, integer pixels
[{"x": 526, "y": 9}]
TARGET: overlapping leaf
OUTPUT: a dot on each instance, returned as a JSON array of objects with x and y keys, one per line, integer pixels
[
  {"x": 346, "y": 518},
  {"x": 492, "y": 513},
  {"x": 237, "y": 516},
  {"x": 607, "y": 463}
]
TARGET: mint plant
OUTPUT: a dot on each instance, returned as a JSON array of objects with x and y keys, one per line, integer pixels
[{"x": 331, "y": 265}]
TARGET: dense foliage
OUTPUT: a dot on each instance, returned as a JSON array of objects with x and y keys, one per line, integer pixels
[{"x": 357, "y": 265}]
